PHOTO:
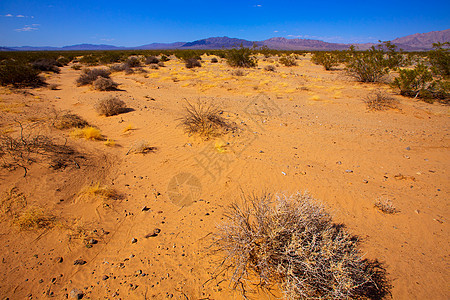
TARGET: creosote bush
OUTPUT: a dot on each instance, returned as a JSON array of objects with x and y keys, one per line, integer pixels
[
  {"x": 419, "y": 83},
  {"x": 110, "y": 106},
  {"x": 47, "y": 64},
  {"x": 288, "y": 60},
  {"x": 241, "y": 58},
  {"x": 90, "y": 75},
  {"x": 292, "y": 241},
  {"x": 368, "y": 66},
  {"x": 19, "y": 75},
  {"x": 214, "y": 60},
  {"x": 104, "y": 84},
  {"x": 439, "y": 59},
  {"x": 326, "y": 59}
]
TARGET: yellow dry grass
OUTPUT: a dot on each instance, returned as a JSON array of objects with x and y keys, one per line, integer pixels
[{"x": 88, "y": 133}]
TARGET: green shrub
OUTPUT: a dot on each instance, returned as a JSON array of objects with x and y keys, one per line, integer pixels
[
  {"x": 64, "y": 61},
  {"x": 440, "y": 59},
  {"x": 164, "y": 58},
  {"x": 89, "y": 60},
  {"x": 19, "y": 75},
  {"x": 419, "y": 83},
  {"x": 288, "y": 60},
  {"x": 241, "y": 58},
  {"x": 47, "y": 64},
  {"x": 214, "y": 60},
  {"x": 326, "y": 59},
  {"x": 368, "y": 66}
]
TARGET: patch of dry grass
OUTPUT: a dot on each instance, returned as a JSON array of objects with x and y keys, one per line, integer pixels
[
  {"x": 69, "y": 120},
  {"x": 379, "y": 100},
  {"x": 204, "y": 120},
  {"x": 385, "y": 205},
  {"x": 88, "y": 133},
  {"x": 100, "y": 191},
  {"x": 292, "y": 242},
  {"x": 34, "y": 218}
]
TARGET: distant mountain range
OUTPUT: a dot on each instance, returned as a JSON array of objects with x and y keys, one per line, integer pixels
[{"x": 415, "y": 42}]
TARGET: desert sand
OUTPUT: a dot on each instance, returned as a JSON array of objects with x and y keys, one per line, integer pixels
[{"x": 300, "y": 129}]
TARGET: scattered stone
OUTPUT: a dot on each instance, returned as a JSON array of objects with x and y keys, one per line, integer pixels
[
  {"x": 93, "y": 241},
  {"x": 339, "y": 163},
  {"x": 348, "y": 171},
  {"x": 417, "y": 211},
  {"x": 41, "y": 280},
  {"x": 79, "y": 262},
  {"x": 104, "y": 277},
  {"x": 134, "y": 240},
  {"x": 284, "y": 173},
  {"x": 145, "y": 208},
  {"x": 408, "y": 148},
  {"x": 260, "y": 151},
  {"x": 76, "y": 294},
  {"x": 59, "y": 259},
  {"x": 155, "y": 232},
  {"x": 366, "y": 181}
]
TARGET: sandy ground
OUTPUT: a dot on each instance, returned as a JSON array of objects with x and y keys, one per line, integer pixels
[{"x": 300, "y": 129}]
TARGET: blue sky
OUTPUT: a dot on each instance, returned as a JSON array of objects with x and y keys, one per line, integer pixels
[{"x": 134, "y": 23}]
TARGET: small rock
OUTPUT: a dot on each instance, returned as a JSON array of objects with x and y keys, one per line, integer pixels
[
  {"x": 417, "y": 211},
  {"x": 93, "y": 241},
  {"x": 366, "y": 181},
  {"x": 134, "y": 240},
  {"x": 408, "y": 148},
  {"x": 155, "y": 232},
  {"x": 57, "y": 97},
  {"x": 59, "y": 259},
  {"x": 77, "y": 294},
  {"x": 145, "y": 208},
  {"x": 348, "y": 171},
  {"x": 79, "y": 262},
  {"x": 339, "y": 163},
  {"x": 104, "y": 277},
  {"x": 283, "y": 173},
  {"x": 260, "y": 151}
]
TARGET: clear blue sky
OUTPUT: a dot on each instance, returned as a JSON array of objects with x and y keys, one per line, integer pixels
[{"x": 134, "y": 23}]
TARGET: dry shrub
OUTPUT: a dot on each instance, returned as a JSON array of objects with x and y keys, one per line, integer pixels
[
  {"x": 90, "y": 75},
  {"x": 161, "y": 64},
  {"x": 69, "y": 120},
  {"x": 204, "y": 119},
  {"x": 88, "y": 133},
  {"x": 379, "y": 100},
  {"x": 151, "y": 60},
  {"x": 110, "y": 106},
  {"x": 141, "y": 147},
  {"x": 12, "y": 203},
  {"x": 104, "y": 84},
  {"x": 24, "y": 148},
  {"x": 269, "y": 68},
  {"x": 292, "y": 242},
  {"x": 192, "y": 63},
  {"x": 154, "y": 66},
  {"x": 53, "y": 86},
  {"x": 100, "y": 191},
  {"x": 34, "y": 218},
  {"x": 214, "y": 60},
  {"x": 238, "y": 72},
  {"x": 385, "y": 205}
]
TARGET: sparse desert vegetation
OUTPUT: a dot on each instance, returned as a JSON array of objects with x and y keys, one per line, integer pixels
[{"x": 120, "y": 190}]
